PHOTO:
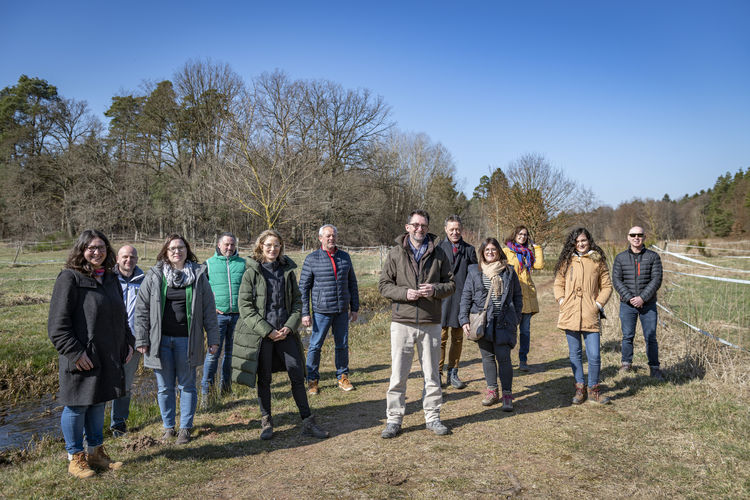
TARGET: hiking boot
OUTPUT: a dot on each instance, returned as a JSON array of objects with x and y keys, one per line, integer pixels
[
  {"x": 310, "y": 428},
  {"x": 168, "y": 435},
  {"x": 312, "y": 388},
  {"x": 491, "y": 397},
  {"x": 79, "y": 467},
  {"x": 344, "y": 383},
  {"x": 266, "y": 427},
  {"x": 183, "y": 437},
  {"x": 444, "y": 383},
  {"x": 625, "y": 367},
  {"x": 523, "y": 366},
  {"x": 100, "y": 460},
  {"x": 456, "y": 382},
  {"x": 580, "y": 396},
  {"x": 507, "y": 401},
  {"x": 595, "y": 395},
  {"x": 119, "y": 430},
  {"x": 437, "y": 427},
  {"x": 656, "y": 373},
  {"x": 390, "y": 431}
]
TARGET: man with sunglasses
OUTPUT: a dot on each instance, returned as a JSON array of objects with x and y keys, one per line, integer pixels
[{"x": 636, "y": 275}]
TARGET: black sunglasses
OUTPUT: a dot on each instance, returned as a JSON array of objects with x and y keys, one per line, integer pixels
[{"x": 636, "y": 235}]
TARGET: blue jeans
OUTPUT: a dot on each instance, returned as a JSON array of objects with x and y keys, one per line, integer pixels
[
  {"x": 75, "y": 420},
  {"x": 227, "y": 322},
  {"x": 576, "y": 355},
  {"x": 121, "y": 406},
  {"x": 524, "y": 337},
  {"x": 628, "y": 318},
  {"x": 173, "y": 353},
  {"x": 339, "y": 322}
]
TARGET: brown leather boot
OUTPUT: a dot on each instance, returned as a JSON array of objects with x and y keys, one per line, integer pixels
[
  {"x": 100, "y": 460},
  {"x": 79, "y": 467},
  {"x": 580, "y": 396},
  {"x": 596, "y": 395}
]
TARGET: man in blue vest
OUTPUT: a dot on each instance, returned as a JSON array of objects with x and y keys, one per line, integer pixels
[
  {"x": 130, "y": 277},
  {"x": 225, "y": 270},
  {"x": 328, "y": 286}
]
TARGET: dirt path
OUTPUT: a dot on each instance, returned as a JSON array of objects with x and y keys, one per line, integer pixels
[{"x": 489, "y": 452}]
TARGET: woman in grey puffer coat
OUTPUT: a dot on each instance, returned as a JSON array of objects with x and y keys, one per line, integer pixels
[{"x": 175, "y": 305}]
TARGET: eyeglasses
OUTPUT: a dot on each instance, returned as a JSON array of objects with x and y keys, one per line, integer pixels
[
  {"x": 636, "y": 235},
  {"x": 95, "y": 248},
  {"x": 417, "y": 226},
  {"x": 269, "y": 246},
  {"x": 490, "y": 250},
  {"x": 176, "y": 249}
]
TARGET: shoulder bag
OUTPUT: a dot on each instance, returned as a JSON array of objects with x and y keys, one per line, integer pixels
[{"x": 478, "y": 321}]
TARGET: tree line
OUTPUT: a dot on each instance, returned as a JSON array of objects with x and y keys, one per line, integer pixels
[{"x": 206, "y": 152}]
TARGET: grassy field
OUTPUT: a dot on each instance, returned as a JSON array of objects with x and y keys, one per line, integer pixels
[{"x": 687, "y": 438}]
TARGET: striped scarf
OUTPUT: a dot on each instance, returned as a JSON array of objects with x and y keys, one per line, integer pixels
[{"x": 524, "y": 254}]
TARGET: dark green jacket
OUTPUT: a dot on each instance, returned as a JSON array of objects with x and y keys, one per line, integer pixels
[{"x": 252, "y": 326}]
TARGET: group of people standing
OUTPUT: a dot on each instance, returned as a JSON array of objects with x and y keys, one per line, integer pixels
[{"x": 106, "y": 314}]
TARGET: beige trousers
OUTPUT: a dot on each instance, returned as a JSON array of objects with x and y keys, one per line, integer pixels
[{"x": 404, "y": 338}]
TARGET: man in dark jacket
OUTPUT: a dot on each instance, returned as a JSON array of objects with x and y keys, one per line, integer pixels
[
  {"x": 636, "y": 275},
  {"x": 461, "y": 255},
  {"x": 416, "y": 277},
  {"x": 328, "y": 286}
]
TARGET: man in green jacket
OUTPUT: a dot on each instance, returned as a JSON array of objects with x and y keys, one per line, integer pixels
[
  {"x": 225, "y": 270},
  {"x": 416, "y": 277}
]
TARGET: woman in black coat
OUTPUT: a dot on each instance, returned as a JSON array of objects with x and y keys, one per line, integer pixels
[
  {"x": 88, "y": 326},
  {"x": 494, "y": 275}
]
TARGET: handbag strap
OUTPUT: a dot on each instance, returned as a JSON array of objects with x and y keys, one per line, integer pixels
[{"x": 487, "y": 302}]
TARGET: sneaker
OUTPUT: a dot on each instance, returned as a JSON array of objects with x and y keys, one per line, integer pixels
[
  {"x": 266, "y": 427},
  {"x": 523, "y": 366},
  {"x": 344, "y": 383},
  {"x": 79, "y": 467},
  {"x": 183, "y": 437},
  {"x": 312, "y": 388},
  {"x": 100, "y": 460},
  {"x": 437, "y": 427},
  {"x": 310, "y": 428},
  {"x": 456, "y": 382},
  {"x": 656, "y": 373},
  {"x": 119, "y": 430},
  {"x": 507, "y": 401},
  {"x": 625, "y": 367},
  {"x": 390, "y": 431},
  {"x": 491, "y": 397},
  {"x": 168, "y": 435}
]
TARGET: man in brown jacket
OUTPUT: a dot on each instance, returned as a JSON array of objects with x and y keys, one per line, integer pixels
[{"x": 416, "y": 277}]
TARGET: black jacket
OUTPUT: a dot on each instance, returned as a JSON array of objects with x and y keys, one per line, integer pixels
[
  {"x": 465, "y": 257},
  {"x": 86, "y": 316},
  {"x": 636, "y": 275},
  {"x": 501, "y": 327}
]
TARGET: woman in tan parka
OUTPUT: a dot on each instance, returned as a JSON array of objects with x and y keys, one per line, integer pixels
[
  {"x": 524, "y": 256},
  {"x": 582, "y": 287}
]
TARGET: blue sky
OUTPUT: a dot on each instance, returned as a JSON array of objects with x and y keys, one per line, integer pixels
[{"x": 631, "y": 99}]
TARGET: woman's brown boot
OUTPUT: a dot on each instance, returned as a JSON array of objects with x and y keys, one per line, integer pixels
[
  {"x": 580, "y": 396},
  {"x": 596, "y": 395}
]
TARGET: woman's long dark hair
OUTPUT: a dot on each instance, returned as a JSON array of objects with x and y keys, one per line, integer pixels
[
  {"x": 569, "y": 248},
  {"x": 77, "y": 261},
  {"x": 162, "y": 257},
  {"x": 491, "y": 241}
]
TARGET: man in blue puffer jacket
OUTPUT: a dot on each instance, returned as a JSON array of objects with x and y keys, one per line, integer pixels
[{"x": 328, "y": 284}]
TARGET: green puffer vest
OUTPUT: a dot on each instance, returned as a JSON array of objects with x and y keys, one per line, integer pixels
[
  {"x": 252, "y": 326},
  {"x": 224, "y": 276}
]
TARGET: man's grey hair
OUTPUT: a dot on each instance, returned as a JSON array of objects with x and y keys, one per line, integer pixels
[
  {"x": 335, "y": 231},
  {"x": 453, "y": 218},
  {"x": 224, "y": 234}
]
